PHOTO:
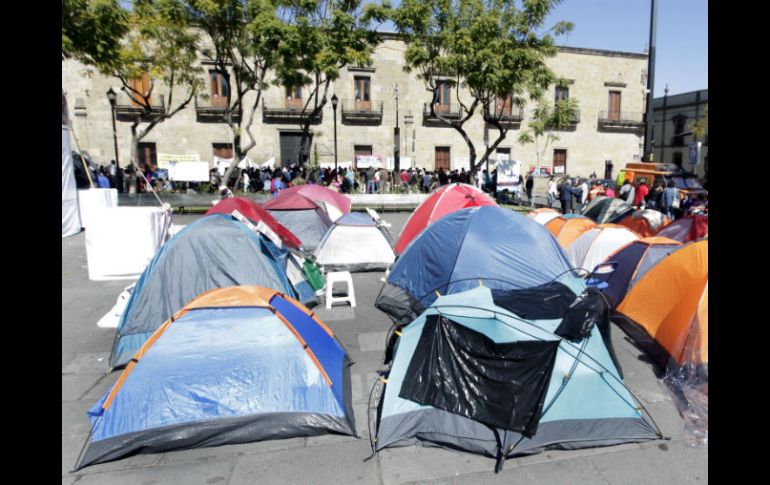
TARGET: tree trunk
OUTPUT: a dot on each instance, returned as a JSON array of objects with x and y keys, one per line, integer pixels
[{"x": 237, "y": 157}]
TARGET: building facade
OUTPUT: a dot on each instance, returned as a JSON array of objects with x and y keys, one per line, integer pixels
[
  {"x": 673, "y": 116},
  {"x": 609, "y": 87}
]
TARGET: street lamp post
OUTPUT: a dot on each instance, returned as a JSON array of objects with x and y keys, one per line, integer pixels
[
  {"x": 112, "y": 97},
  {"x": 649, "y": 119},
  {"x": 397, "y": 139},
  {"x": 334, "y": 108}
]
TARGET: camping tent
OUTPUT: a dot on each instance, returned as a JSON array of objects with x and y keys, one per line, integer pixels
[
  {"x": 255, "y": 213},
  {"x": 487, "y": 245},
  {"x": 300, "y": 215},
  {"x": 355, "y": 243},
  {"x": 604, "y": 210},
  {"x": 567, "y": 227},
  {"x": 631, "y": 263},
  {"x": 212, "y": 252},
  {"x": 646, "y": 222},
  {"x": 594, "y": 245},
  {"x": 442, "y": 201},
  {"x": 543, "y": 215},
  {"x": 660, "y": 309},
  {"x": 70, "y": 215},
  {"x": 333, "y": 202},
  {"x": 686, "y": 229},
  {"x": 471, "y": 375},
  {"x": 234, "y": 365}
]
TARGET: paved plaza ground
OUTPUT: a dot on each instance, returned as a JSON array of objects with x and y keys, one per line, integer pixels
[{"x": 333, "y": 458}]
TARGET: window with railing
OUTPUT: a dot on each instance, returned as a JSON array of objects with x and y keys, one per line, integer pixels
[
  {"x": 441, "y": 97},
  {"x": 362, "y": 100},
  {"x": 139, "y": 89},
  {"x": 562, "y": 93},
  {"x": 219, "y": 89},
  {"x": 613, "y": 113},
  {"x": 679, "y": 124},
  {"x": 294, "y": 97}
]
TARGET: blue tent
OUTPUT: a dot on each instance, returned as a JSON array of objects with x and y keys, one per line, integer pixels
[
  {"x": 235, "y": 365},
  {"x": 471, "y": 375},
  {"x": 212, "y": 252},
  {"x": 487, "y": 245}
]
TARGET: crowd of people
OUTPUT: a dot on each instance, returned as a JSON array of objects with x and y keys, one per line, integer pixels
[{"x": 575, "y": 194}]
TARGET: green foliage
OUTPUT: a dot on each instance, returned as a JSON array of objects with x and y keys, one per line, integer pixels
[
  {"x": 91, "y": 30},
  {"x": 547, "y": 118},
  {"x": 701, "y": 127},
  {"x": 489, "y": 48}
]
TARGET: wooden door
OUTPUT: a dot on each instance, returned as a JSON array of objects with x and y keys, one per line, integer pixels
[
  {"x": 442, "y": 158},
  {"x": 142, "y": 86},
  {"x": 503, "y": 106},
  {"x": 147, "y": 155},
  {"x": 220, "y": 92},
  {"x": 362, "y": 100},
  {"x": 559, "y": 161},
  {"x": 614, "y": 108}
]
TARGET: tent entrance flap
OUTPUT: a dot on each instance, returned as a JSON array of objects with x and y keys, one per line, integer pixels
[{"x": 464, "y": 372}]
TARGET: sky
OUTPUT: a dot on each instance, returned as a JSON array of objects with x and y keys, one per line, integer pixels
[{"x": 624, "y": 25}]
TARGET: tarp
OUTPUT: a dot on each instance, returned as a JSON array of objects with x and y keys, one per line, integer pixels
[
  {"x": 594, "y": 245},
  {"x": 487, "y": 245},
  {"x": 646, "y": 222},
  {"x": 355, "y": 243},
  {"x": 443, "y": 201},
  {"x": 93, "y": 199},
  {"x": 255, "y": 213},
  {"x": 586, "y": 403},
  {"x": 70, "y": 216},
  {"x": 603, "y": 210},
  {"x": 212, "y": 252},
  {"x": 686, "y": 229},
  {"x": 235, "y": 365}
]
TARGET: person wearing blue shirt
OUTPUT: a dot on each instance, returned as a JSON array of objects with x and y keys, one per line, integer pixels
[{"x": 102, "y": 181}]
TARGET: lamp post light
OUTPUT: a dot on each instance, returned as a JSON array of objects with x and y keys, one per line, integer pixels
[
  {"x": 112, "y": 98},
  {"x": 334, "y": 108}
]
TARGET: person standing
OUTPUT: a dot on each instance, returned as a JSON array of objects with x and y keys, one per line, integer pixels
[
  {"x": 627, "y": 192},
  {"x": 640, "y": 199},
  {"x": 552, "y": 191},
  {"x": 583, "y": 194},
  {"x": 102, "y": 181},
  {"x": 246, "y": 181},
  {"x": 609, "y": 190},
  {"x": 565, "y": 197},
  {"x": 669, "y": 199},
  {"x": 529, "y": 184}
]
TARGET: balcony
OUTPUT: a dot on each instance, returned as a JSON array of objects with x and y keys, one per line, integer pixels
[
  {"x": 288, "y": 111},
  {"x": 368, "y": 112},
  {"x": 213, "y": 108},
  {"x": 621, "y": 120},
  {"x": 508, "y": 114},
  {"x": 448, "y": 111},
  {"x": 127, "y": 110}
]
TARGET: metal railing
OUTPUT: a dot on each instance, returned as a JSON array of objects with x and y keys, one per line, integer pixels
[
  {"x": 508, "y": 113},
  {"x": 125, "y": 103},
  {"x": 288, "y": 109},
  {"x": 355, "y": 107},
  {"x": 621, "y": 117},
  {"x": 450, "y": 110},
  {"x": 213, "y": 107}
]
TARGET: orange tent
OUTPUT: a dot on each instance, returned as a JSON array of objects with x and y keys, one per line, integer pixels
[
  {"x": 566, "y": 228},
  {"x": 667, "y": 310}
]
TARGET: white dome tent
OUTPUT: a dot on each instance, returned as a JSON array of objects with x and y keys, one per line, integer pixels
[
  {"x": 593, "y": 246},
  {"x": 356, "y": 243}
]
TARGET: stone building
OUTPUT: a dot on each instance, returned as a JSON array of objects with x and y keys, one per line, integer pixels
[
  {"x": 609, "y": 86},
  {"x": 672, "y": 133}
]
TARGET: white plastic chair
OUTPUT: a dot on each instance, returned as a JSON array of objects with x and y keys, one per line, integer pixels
[{"x": 339, "y": 277}]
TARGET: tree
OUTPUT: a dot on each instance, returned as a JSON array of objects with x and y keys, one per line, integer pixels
[
  {"x": 243, "y": 36},
  {"x": 701, "y": 127},
  {"x": 490, "y": 49},
  {"x": 157, "y": 45},
  {"x": 545, "y": 120},
  {"x": 321, "y": 38}
]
